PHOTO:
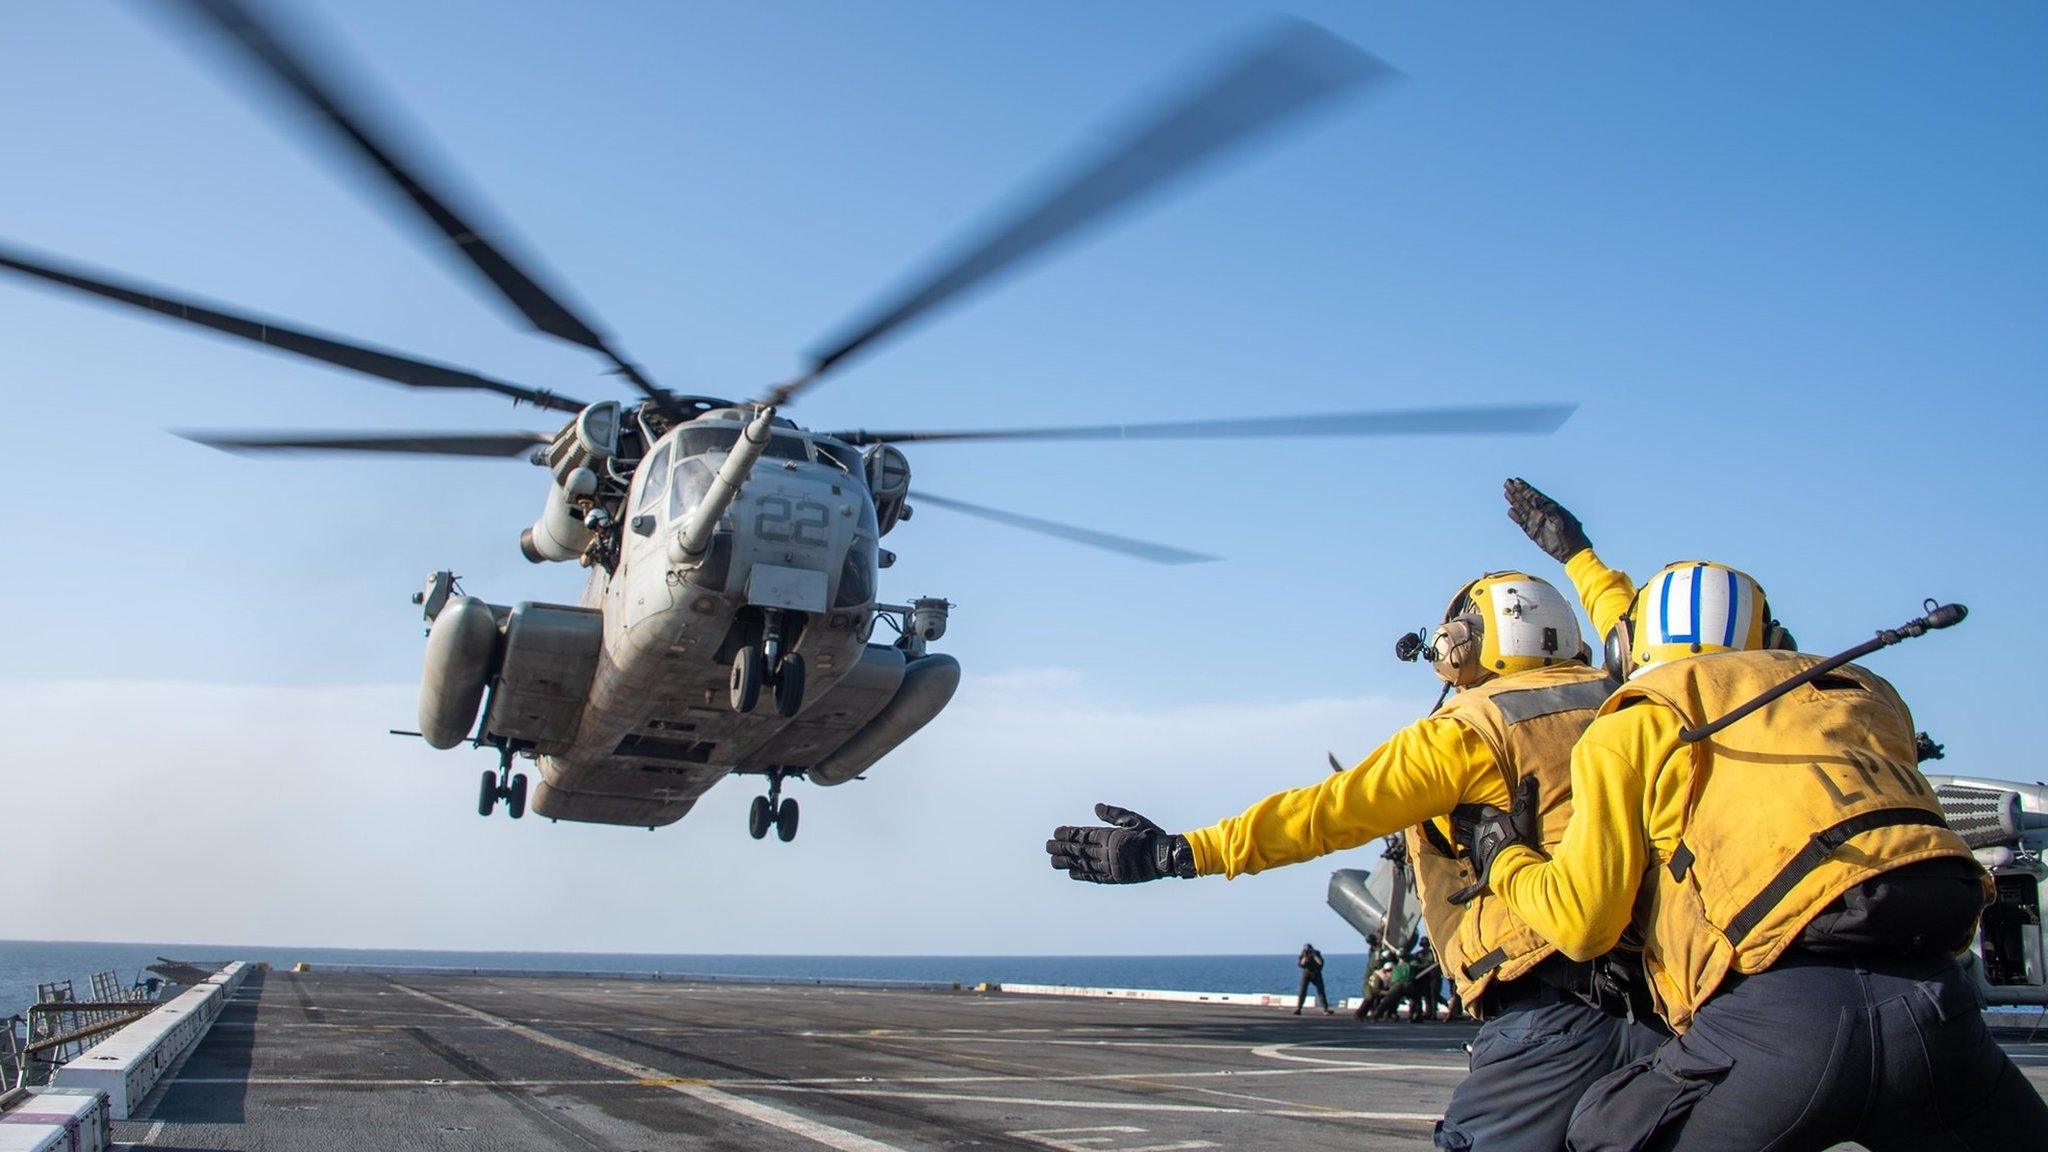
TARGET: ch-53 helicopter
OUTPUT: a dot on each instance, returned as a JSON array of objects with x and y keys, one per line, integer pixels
[{"x": 733, "y": 555}]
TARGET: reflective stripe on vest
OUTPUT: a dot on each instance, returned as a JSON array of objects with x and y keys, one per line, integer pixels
[{"x": 1528, "y": 703}]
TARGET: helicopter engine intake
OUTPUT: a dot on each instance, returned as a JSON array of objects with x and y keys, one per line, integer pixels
[
  {"x": 560, "y": 533},
  {"x": 888, "y": 476}
]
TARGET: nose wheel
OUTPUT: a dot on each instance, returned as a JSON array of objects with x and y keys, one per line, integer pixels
[
  {"x": 773, "y": 811},
  {"x": 782, "y": 673},
  {"x": 502, "y": 784}
]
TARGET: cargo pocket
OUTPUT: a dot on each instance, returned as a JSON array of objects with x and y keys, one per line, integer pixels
[{"x": 1624, "y": 1110}]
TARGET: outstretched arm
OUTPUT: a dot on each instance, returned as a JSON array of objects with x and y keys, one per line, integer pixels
[{"x": 1423, "y": 772}]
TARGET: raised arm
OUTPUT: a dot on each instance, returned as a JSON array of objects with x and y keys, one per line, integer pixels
[{"x": 1604, "y": 592}]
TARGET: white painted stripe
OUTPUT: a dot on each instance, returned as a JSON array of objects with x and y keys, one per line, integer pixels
[
  {"x": 1333, "y": 1067},
  {"x": 790, "y": 1122},
  {"x": 1115, "y": 1105}
]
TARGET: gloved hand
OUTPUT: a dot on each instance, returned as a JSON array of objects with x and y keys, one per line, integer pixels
[
  {"x": 1131, "y": 850},
  {"x": 1484, "y": 830},
  {"x": 1554, "y": 530}
]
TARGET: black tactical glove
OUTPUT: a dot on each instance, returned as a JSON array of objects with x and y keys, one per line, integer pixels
[
  {"x": 1554, "y": 530},
  {"x": 1484, "y": 830},
  {"x": 1131, "y": 850}
]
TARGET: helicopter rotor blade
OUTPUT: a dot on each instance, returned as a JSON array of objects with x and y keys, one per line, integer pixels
[
  {"x": 1142, "y": 549},
  {"x": 324, "y": 88},
  {"x": 1288, "y": 71},
  {"x": 479, "y": 444},
  {"x": 355, "y": 357},
  {"x": 1499, "y": 419}
]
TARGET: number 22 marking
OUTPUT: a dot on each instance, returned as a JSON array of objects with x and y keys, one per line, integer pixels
[{"x": 780, "y": 520}]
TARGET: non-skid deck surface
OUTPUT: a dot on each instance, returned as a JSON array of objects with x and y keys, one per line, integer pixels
[{"x": 332, "y": 1062}]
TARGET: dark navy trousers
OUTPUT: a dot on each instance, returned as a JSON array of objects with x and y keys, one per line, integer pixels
[
  {"x": 1530, "y": 1064},
  {"x": 1816, "y": 1051}
]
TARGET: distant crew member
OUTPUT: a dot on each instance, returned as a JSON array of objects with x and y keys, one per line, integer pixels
[
  {"x": 1311, "y": 964},
  {"x": 1510, "y": 644},
  {"x": 1400, "y": 988},
  {"x": 1429, "y": 983},
  {"x": 1799, "y": 896}
]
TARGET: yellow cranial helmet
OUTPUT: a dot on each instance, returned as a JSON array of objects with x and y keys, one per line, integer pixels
[
  {"x": 1689, "y": 609},
  {"x": 1502, "y": 623}
]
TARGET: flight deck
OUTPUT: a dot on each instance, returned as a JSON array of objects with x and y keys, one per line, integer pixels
[{"x": 327, "y": 1061}]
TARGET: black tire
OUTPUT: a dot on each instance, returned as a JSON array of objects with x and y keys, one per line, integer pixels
[
  {"x": 515, "y": 801},
  {"x": 785, "y": 820},
  {"x": 789, "y": 686},
  {"x": 487, "y": 795},
  {"x": 745, "y": 686},
  {"x": 759, "y": 817}
]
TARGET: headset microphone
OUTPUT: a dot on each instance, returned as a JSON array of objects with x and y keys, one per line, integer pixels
[{"x": 1410, "y": 646}]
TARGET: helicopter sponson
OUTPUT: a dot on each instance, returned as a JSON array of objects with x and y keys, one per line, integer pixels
[{"x": 2006, "y": 826}]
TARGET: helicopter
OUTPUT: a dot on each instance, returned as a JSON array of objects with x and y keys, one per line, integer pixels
[{"x": 728, "y": 622}]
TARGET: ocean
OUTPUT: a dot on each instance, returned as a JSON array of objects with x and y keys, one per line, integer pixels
[{"x": 25, "y": 963}]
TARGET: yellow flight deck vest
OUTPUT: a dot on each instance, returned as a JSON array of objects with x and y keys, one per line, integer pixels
[
  {"x": 1785, "y": 811},
  {"x": 1529, "y": 721}
]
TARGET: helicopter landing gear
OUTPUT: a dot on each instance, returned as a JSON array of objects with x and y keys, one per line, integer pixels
[
  {"x": 789, "y": 687},
  {"x": 773, "y": 810},
  {"x": 747, "y": 674},
  {"x": 782, "y": 672},
  {"x": 503, "y": 784}
]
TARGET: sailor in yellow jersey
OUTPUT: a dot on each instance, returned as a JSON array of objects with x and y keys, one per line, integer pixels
[
  {"x": 1799, "y": 897},
  {"x": 1510, "y": 644}
]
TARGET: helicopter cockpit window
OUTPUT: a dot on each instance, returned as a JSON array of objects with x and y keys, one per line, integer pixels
[
  {"x": 654, "y": 479},
  {"x": 848, "y": 458},
  {"x": 781, "y": 445},
  {"x": 692, "y": 481}
]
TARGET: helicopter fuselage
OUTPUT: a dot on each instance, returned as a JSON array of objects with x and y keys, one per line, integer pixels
[{"x": 628, "y": 700}]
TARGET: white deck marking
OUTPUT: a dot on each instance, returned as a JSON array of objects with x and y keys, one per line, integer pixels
[
  {"x": 790, "y": 1122},
  {"x": 827, "y": 1081},
  {"x": 1074, "y": 1140},
  {"x": 1295, "y": 1111}
]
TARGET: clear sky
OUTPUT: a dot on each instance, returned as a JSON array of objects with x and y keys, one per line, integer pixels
[{"x": 1790, "y": 259}]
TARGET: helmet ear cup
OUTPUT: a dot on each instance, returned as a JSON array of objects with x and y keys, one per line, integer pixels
[
  {"x": 1777, "y": 637},
  {"x": 1454, "y": 648},
  {"x": 1615, "y": 655}
]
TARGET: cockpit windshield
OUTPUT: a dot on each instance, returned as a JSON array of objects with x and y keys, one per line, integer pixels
[{"x": 696, "y": 440}]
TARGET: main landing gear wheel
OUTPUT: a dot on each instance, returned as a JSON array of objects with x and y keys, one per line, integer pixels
[
  {"x": 504, "y": 785},
  {"x": 789, "y": 687},
  {"x": 745, "y": 686},
  {"x": 774, "y": 810}
]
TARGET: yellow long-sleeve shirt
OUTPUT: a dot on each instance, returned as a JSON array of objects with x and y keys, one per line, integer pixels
[
  {"x": 1420, "y": 773},
  {"x": 1604, "y": 593},
  {"x": 1630, "y": 773}
]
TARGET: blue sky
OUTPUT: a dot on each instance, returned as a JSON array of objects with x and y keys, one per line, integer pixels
[{"x": 1789, "y": 259}]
